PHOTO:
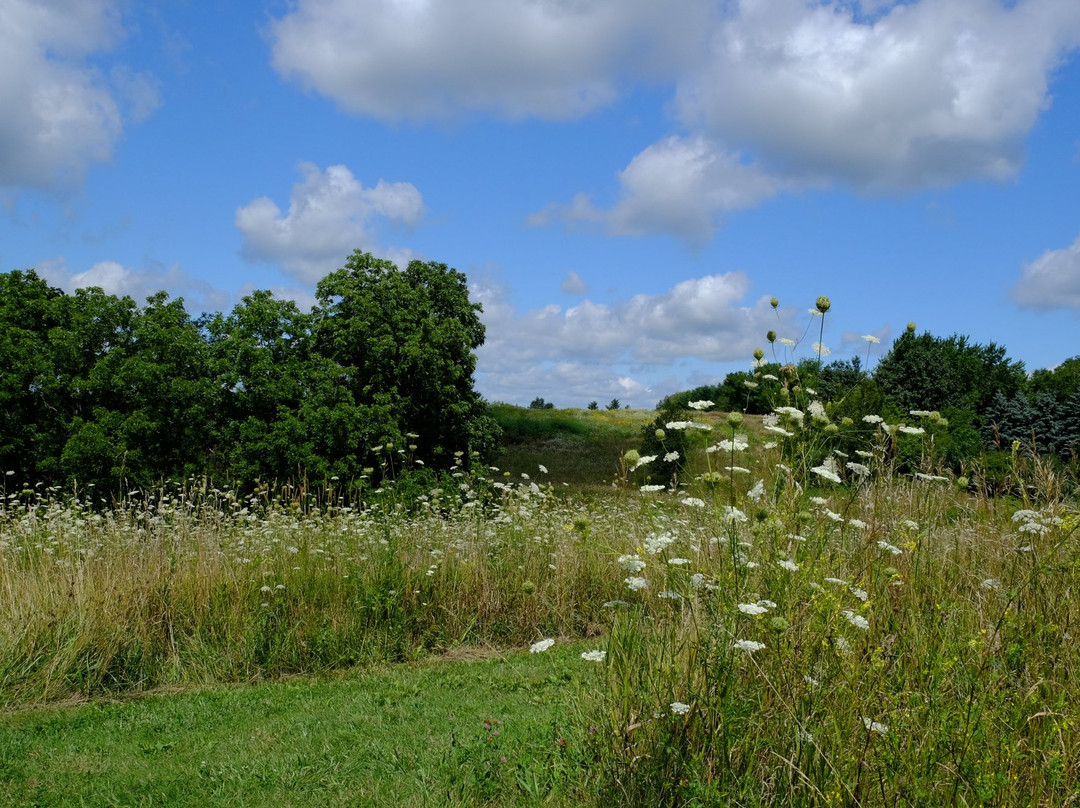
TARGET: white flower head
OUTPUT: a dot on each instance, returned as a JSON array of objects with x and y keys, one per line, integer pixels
[
  {"x": 752, "y": 609},
  {"x": 643, "y": 461},
  {"x": 790, "y": 566},
  {"x": 779, "y": 430},
  {"x": 793, "y": 413},
  {"x": 679, "y": 708},
  {"x": 704, "y": 404},
  {"x": 856, "y": 620},
  {"x": 540, "y": 647},
  {"x": 871, "y": 339},
  {"x": 750, "y": 646},
  {"x": 637, "y": 583},
  {"x": 594, "y": 656},
  {"x": 733, "y": 514},
  {"x": 657, "y": 542},
  {"x": 736, "y": 444},
  {"x": 875, "y": 727},
  {"x": 826, "y": 473}
]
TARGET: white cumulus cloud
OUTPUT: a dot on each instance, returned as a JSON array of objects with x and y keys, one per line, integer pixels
[
  {"x": 1051, "y": 281},
  {"x": 924, "y": 94},
  {"x": 330, "y": 214},
  {"x": 615, "y": 349},
  {"x": 882, "y": 97},
  {"x": 551, "y": 59},
  {"x": 678, "y": 186},
  {"x": 58, "y": 113}
]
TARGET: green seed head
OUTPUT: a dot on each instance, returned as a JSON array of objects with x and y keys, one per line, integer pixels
[
  {"x": 734, "y": 419},
  {"x": 779, "y": 625},
  {"x": 660, "y": 435},
  {"x": 528, "y": 587},
  {"x": 631, "y": 457},
  {"x": 823, "y": 304},
  {"x": 759, "y": 354},
  {"x": 774, "y": 302},
  {"x": 911, "y": 327},
  {"x": 770, "y": 336}
]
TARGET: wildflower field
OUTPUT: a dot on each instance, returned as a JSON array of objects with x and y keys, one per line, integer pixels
[{"x": 788, "y": 624}]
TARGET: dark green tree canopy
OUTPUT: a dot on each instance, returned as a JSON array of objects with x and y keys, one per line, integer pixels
[
  {"x": 925, "y": 372},
  {"x": 97, "y": 389}
]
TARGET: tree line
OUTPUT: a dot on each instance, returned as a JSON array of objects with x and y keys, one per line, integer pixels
[
  {"x": 96, "y": 389},
  {"x": 986, "y": 401}
]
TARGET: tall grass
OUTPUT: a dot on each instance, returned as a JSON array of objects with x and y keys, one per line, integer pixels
[{"x": 783, "y": 630}]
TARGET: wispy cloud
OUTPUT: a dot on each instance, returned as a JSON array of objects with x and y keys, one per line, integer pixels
[{"x": 116, "y": 279}]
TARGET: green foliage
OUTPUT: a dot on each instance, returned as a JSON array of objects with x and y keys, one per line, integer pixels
[
  {"x": 613, "y": 404},
  {"x": 1062, "y": 382},
  {"x": 101, "y": 391},
  {"x": 932, "y": 373},
  {"x": 539, "y": 404},
  {"x": 660, "y": 442},
  {"x": 593, "y": 406},
  {"x": 404, "y": 341}
]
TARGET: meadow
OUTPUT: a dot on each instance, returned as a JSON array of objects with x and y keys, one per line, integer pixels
[{"x": 787, "y": 623}]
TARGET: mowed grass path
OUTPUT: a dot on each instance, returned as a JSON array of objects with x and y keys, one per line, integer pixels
[{"x": 501, "y": 730}]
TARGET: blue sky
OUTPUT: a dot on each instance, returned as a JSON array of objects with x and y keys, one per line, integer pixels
[{"x": 626, "y": 183}]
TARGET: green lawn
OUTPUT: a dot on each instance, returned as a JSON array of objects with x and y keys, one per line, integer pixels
[{"x": 477, "y": 732}]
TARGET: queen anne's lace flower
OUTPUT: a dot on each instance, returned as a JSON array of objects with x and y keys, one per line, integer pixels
[
  {"x": 826, "y": 473},
  {"x": 750, "y": 646},
  {"x": 856, "y": 620}
]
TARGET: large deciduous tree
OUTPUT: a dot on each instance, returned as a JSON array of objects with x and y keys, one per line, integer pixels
[{"x": 404, "y": 340}]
